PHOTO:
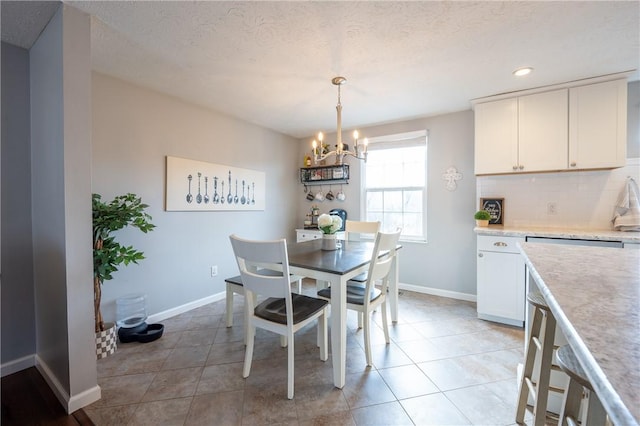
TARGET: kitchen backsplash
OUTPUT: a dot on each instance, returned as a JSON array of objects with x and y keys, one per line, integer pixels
[{"x": 579, "y": 200}]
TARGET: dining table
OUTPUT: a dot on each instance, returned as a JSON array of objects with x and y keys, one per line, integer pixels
[{"x": 336, "y": 268}]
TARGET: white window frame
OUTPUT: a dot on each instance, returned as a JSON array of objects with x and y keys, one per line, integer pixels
[{"x": 399, "y": 140}]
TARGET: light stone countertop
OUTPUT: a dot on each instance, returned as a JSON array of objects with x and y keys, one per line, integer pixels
[
  {"x": 580, "y": 234},
  {"x": 594, "y": 294}
]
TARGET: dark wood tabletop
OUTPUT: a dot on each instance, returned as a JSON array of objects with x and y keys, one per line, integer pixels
[{"x": 309, "y": 254}]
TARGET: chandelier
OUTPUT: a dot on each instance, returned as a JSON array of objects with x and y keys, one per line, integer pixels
[{"x": 342, "y": 150}]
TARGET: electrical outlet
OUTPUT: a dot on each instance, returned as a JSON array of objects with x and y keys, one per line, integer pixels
[
  {"x": 552, "y": 208},
  {"x": 214, "y": 271}
]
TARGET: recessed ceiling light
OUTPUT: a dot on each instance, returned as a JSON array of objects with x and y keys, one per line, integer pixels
[{"x": 522, "y": 71}]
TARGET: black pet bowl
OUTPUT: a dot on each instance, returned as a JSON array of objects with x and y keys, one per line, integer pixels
[
  {"x": 153, "y": 332},
  {"x": 129, "y": 334},
  {"x": 144, "y": 333}
]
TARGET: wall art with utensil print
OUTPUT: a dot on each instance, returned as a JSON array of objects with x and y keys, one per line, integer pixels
[{"x": 193, "y": 185}]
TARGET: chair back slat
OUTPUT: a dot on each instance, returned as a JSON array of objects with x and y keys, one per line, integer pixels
[
  {"x": 381, "y": 265},
  {"x": 252, "y": 256},
  {"x": 354, "y": 228}
]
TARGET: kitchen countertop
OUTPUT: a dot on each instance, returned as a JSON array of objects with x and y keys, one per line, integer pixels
[
  {"x": 575, "y": 234},
  {"x": 594, "y": 294}
]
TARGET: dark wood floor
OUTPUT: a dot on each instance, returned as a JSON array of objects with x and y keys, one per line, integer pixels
[{"x": 28, "y": 400}]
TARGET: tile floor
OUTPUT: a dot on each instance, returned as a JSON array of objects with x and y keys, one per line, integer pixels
[{"x": 443, "y": 367}]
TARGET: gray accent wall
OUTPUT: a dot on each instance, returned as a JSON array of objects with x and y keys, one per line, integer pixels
[
  {"x": 134, "y": 129},
  {"x": 633, "y": 120},
  {"x": 18, "y": 310}
]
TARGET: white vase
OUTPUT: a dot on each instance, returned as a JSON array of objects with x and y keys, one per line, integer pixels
[{"x": 329, "y": 242}]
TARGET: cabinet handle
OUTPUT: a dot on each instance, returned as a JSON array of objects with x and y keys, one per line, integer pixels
[
  {"x": 480, "y": 255},
  {"x": 573, "y": 164},
  {"x": 500, "y": 244},
  {"x": 515, "y": 167},
  {"x": 521, "y": 167}
]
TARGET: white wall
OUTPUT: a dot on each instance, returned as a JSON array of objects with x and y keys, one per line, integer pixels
[
  {"x": 446, "y": 264},
  {"x": 584, "y": 200},
  {"x": 133, "y": 130}
]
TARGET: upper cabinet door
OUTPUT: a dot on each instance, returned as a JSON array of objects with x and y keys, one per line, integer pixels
[
  {"x": 496, "y": 137},
  {"x": 598, "y": 125},
  {"x": 543, "y": 131}
]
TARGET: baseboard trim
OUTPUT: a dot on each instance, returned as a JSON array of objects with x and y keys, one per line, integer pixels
[
  {"x": 439, "y": 292},
  {"x": 17, "y": 365},
  {"x": 185, "y": 308}
]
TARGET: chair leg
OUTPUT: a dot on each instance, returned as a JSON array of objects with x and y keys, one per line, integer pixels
[
  {"x": 322, "y": 337},
  {"x": 360, "y": 320},
  {"x": 523, "y": 393},
  {"x": 248, "y": 352},
  {"x": 300, "y": 286},
  {"x": 229, "y": 313},
  {"x": 367, "y": 337},
  {"x": 571, "y": 403},
  {"x": 290, "y": 366},
  {"x": 385, "y": 323}
]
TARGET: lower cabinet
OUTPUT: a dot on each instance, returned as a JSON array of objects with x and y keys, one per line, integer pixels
[{"x": 500, "y": 280}]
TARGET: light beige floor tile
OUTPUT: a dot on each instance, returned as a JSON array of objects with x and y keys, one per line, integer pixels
[
  {"x": 111, "y": 416},
  {"x": 343, "y": 418},
  {"x": 317, "y": 400},
  {"x": 390, "y": 413},
  {"x": 172, "y": 412},
  {"x": 221, "y": 378},
  {"x": 222, "y": 408},
  {"x": 364, "y": 389},
  {"x": 434, "y": 409},
  {"x": 190, "y": 356},
  {"x": 123, "y": 390},
  {"x": 407, "y": 381},
  {"x": 268, "y": 405},
  {"x": 197, "y": 337},
  {"x": 438, "y": 346},
  {"x": 473, "y": 402},
  {"x": 458, "y": 372},
  {"x": 172, "y": 384}
]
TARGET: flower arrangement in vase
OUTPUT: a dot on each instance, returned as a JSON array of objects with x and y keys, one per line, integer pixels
[{"x": 329, "y": 224}]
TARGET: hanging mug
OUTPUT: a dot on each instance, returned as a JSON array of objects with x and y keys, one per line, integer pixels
[
  {"x": 310, "y": 196},
  {"x": 319, "y": 196},
  {"x": 340, "y": 196},
  {"x": 329, "y": 196}
]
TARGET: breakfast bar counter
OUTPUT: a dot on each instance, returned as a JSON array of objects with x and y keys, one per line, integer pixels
[{"x": 594, "y": 294}]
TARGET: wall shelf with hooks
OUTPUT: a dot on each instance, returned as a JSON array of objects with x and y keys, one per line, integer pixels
[{"x": 324, "y": 174}]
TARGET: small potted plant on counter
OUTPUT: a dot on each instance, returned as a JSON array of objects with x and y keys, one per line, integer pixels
[{"x": 482, "y": 218}]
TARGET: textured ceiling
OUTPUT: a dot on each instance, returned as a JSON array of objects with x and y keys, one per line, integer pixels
[{"x": 271, "y": 63}]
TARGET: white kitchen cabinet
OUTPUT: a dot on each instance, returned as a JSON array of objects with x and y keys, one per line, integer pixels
[
  {"x": 524, "y": 134},
  {"x": 542, "y": 131},
  {"x": 496, "y": 136},
  {"x": 500, "y": 280},
  {"x": 598, "y": 125},
  {"x": 566, "y": 128}
]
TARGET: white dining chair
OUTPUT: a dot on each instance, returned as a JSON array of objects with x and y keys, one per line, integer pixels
[
  {"x": 283, "y": 312},
  {"x": 364, "y": 298},
  {"x": 355, "y": 230}
]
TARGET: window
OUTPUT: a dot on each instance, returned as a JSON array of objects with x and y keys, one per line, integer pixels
[{"x": 394, "y": 182}]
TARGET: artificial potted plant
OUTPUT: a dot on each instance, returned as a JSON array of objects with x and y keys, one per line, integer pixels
[
  {"x": 482, "y": 218},
  {"x": 108, "y": 254}
]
